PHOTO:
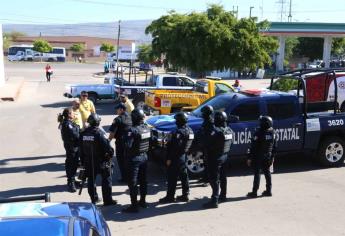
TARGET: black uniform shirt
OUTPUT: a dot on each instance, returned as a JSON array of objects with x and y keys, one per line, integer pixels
[{"x": 120, "y": 125}]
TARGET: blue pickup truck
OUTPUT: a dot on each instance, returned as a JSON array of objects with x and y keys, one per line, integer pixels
[{"x": 316, "y": 128}]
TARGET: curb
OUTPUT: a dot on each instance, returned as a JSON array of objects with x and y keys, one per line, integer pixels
[{"x": 16, "y": 93}]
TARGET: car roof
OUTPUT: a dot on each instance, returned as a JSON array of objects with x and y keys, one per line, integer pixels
[
  {"x": 69, "y": 209},
  {"x": 22, "y": 226},
  {"x": 263, "y": 93}
]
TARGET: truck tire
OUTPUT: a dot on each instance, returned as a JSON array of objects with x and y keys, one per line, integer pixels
[
  {"x": 342, "y": 108},
  {"x": 93, "y": 98},
  {"x": 331, "y": 151},
  {"x": 195, "y": 164}
]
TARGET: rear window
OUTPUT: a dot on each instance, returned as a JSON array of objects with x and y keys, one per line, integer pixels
[
  {"x": 201, "y": 87},
  {"x": 169, "y": 81},
  {"x": 279, "y": 111},
  {"x": 247, "y": 111}
]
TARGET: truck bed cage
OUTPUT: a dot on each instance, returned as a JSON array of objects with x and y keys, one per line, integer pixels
[{"x": 297, "y": 75}]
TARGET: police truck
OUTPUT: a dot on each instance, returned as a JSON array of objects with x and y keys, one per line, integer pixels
[{"x": 302, "y": 127}]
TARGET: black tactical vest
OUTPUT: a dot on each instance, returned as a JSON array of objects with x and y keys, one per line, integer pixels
[
  {"x": 69, "y": 132},
  {"x": 124, "y": 123},
  {"x": 221, "y": 140},
  {"x": 265, "y": 142},
  {"x": 144, "y": 142},
  {"x": 189, "y": 137}
]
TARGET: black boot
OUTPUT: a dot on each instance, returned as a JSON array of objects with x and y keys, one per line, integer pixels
[
  {"x": 71, "y": 187},
  {"x": 131, "y": 209},
  {"x": 182, "y": 198},
  {"x": 213, "y": 203},
  {"x": 222, "y": 198},
  {"x": 142, "y": 202},
  {"x": 267, "y": 193},
  {"x": 110, "y": 203},
  {"x": 252, "y": 195},
  {"x": 167, "y": 199}
]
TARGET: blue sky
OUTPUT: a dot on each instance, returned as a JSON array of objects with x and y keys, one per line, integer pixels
[{"x": 83, "y": 11}]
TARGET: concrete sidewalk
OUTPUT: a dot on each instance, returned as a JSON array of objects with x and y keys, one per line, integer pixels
[{"x": 11, "y": 90}]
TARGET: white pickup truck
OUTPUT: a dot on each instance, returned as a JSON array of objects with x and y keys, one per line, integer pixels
[{"x": 136, "y": 91}]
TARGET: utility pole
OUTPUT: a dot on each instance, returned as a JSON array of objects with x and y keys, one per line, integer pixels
[
  {"x": 290, "y": 15},
  {"x": 250, "y": 12},
  {"x": 117, "y": 46}
]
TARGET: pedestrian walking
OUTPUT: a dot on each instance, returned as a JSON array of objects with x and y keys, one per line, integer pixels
[{"x": 49, "y": 72}]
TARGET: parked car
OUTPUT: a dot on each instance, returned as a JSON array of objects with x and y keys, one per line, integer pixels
[{"x": 48, "y": 218}]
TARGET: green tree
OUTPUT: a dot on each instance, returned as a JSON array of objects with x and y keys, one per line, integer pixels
[
  {"x": 313, "y": 47},
  {"x": 107, "y": 47},
  {"x": 146, "y": 54},
  {"x": 41, "y": 45},
  {"x": 77, "y": 48},
  {"x": 8, "y": 38},
  {"x": 211, "y": 40}
]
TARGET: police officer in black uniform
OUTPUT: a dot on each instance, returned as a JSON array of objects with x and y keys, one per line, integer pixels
[
  {"x": 96, "y": 154},
  {"x": 177, "y": 147},
  {"x": 202, "y": 137},
  {"x": 220, "y": 140},
  {"x": 118, "y": 129},
  {"x": 70, "y": 137},
  {"x": 261, "y": 154},
  {"x": 137, "y": 142}
]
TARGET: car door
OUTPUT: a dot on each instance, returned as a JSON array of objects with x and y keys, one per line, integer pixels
[
  {"x": 287, "y": 122},
  {"x": 248, "y": 113}
]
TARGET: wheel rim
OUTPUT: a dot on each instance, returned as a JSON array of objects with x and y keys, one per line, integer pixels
[
  {"x": 334, "y": 152},
  {"x": 195, "y": 163},
  {"x": 140, "y": 105}
]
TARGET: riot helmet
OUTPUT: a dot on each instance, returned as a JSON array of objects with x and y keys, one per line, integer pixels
[
  {"x": 265, "y": 122},
  {"x": 206, "y": 111},
  {"x": 137, "y": 116},
  {"x": 94, "y": 120},
  {"x": 181, "y": 118},
  {"x": 220, "y": 118}
]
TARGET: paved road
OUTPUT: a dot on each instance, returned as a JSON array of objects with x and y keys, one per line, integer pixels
[{"x": 307, "y": 200}]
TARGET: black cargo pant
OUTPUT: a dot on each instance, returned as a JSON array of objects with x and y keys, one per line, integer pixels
[
  {"x": 217, "y": 175},
  {"x": 71, "y": 162},
  {"x": 137, "y": 175},
  {"x": 120, "y": 157},
  {"x": 178, "y": 169},
  {"x": 106, "y": 183},
  {"x": 262, "y": 163}
]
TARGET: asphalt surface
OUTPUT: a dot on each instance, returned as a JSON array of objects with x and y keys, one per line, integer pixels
[{"x": 308, "y": 200}]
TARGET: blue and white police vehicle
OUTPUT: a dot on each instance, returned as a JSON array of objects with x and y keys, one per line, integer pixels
[
  {"x": 19, "y": 218},
  {"x": 316, "y": 127}
]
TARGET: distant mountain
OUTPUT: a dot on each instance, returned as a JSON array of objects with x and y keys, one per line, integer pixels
[{"x": 134, "y": 29}]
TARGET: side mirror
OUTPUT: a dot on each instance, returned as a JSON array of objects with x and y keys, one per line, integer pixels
[{"x": 233, "y": 119}]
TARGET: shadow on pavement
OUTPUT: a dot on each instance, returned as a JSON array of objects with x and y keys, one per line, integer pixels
[
  {"x": 48, "y": 167},
  {"x": 58, "y": 104},
  {"x": 33, "y": 191},
  {"x": 5, "y": 161},
  {"x": 282, "y": 164}
]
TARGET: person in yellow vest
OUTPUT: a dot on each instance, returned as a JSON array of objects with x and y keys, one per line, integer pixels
[
  {"x": 129, "y": 105},
  {"x": 77, "y": 115},
  {"x": 86, "y": 107}
]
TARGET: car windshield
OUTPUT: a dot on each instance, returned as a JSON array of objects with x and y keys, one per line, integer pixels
[
  {"x": 285, "y": 84},
  {"x": 219, "y": 103}
]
